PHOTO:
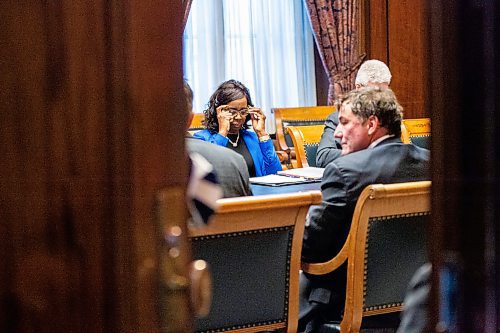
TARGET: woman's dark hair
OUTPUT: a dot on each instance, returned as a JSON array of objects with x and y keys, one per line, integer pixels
[{"x": 226, "y": 93}]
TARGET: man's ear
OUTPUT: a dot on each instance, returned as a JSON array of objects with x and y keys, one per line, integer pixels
[{"x": 373, "y": 124}]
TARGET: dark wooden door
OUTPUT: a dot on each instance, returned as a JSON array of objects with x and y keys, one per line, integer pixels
[
  {"x": 90, "y": 133},
  {"x": 465, "y": 85}
]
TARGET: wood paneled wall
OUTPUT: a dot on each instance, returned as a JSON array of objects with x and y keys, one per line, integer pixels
[
  {"x": 396, "y": 33},
  {"x": 89, "y": 98}
]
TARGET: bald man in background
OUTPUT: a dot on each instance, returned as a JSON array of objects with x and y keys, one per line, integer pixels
[{"x": 371, "y": 73}]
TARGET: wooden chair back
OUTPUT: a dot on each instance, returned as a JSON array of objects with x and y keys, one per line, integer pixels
[
  {"x": 297, "y": 116},
  {"x": 417, "y": 131},
  {"x": 197, "y": 123},
  {"x": 385, "y": 246},
  {"x": 405, "y": 136},
  {"x": 305, "y": 141},
  {"x": 253, "y": 247}
]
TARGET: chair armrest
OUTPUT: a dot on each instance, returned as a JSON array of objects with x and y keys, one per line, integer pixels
[
  {"x": 327, "y": 266},
  {"x": 283, "y": 156}
]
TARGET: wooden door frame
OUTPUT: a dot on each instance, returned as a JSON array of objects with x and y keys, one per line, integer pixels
[{"x": 91, "y": 95}]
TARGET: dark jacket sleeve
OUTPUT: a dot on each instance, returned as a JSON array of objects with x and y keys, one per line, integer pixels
[
  {"x": 329, "y": 148},
  {"x": 415, "y": 315},
  {"x": 328, "y": 224}
]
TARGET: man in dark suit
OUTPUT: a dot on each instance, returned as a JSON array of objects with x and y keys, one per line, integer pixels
[
  {"x": 369, "y": 132},
  {"x": 371, "y": 73}
]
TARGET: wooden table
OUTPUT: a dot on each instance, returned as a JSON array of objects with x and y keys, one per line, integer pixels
[{"x": 264, "y": 189}]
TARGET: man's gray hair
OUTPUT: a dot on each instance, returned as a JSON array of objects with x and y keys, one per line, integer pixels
[{"x": 373, "y": 71}]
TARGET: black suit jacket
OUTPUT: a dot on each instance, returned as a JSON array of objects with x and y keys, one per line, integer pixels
[
  {"x": 230, "y": 167},
  {"x": 328, "y": 224},
  {"x": 329, "y": 148}
]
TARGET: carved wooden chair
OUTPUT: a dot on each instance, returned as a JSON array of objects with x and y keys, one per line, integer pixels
[
  {"x": 253, "y": 246},
  {"x": 197, "y": 123},
  {"x": 305, "y": 141},
  {"x": 297, "y": 116},
  {"x": 417, "y": 131},
  {"x": 385, "y": 246}
]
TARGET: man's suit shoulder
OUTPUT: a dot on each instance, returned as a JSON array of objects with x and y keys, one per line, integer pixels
[
  {"x": 334, "y": 117},
  {"x": 230, "y": 167},
  {"x": 354, "y": 165},
  {"x": 205, "y": 147},
  {"x": 388, "y": 148}
]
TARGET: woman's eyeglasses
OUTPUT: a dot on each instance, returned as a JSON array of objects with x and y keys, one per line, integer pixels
[{"x": 241, "y": 112}]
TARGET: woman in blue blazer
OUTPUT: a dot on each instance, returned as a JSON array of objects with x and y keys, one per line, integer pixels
[{"x": 229, "y": 110}]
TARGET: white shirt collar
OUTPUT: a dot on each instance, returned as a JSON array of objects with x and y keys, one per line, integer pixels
[{"x": 382, "y": 138}]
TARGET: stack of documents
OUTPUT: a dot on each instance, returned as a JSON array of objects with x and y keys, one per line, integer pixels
[
  {"x": 289, "y": 177},
  {"x": 307, "y": 173}
]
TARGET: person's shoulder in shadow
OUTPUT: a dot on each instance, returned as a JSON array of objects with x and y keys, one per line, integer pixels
[
  {"x": 415, "y": 316},
  {"x": 230, "y": 167}
]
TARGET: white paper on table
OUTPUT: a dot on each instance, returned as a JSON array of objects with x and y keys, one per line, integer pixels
[
  {"x": 307, "y": 173},
  {"x": 276, "y": 180}
]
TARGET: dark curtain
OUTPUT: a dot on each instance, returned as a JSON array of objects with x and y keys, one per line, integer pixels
[
  {"x": 335, "y": 27},
  {"x": 187, "y": 7}
]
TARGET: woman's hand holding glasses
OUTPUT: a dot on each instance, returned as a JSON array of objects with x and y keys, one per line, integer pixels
[
  {"x": 258, "y": 121},
  {"x": 224, "y": 117}
]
